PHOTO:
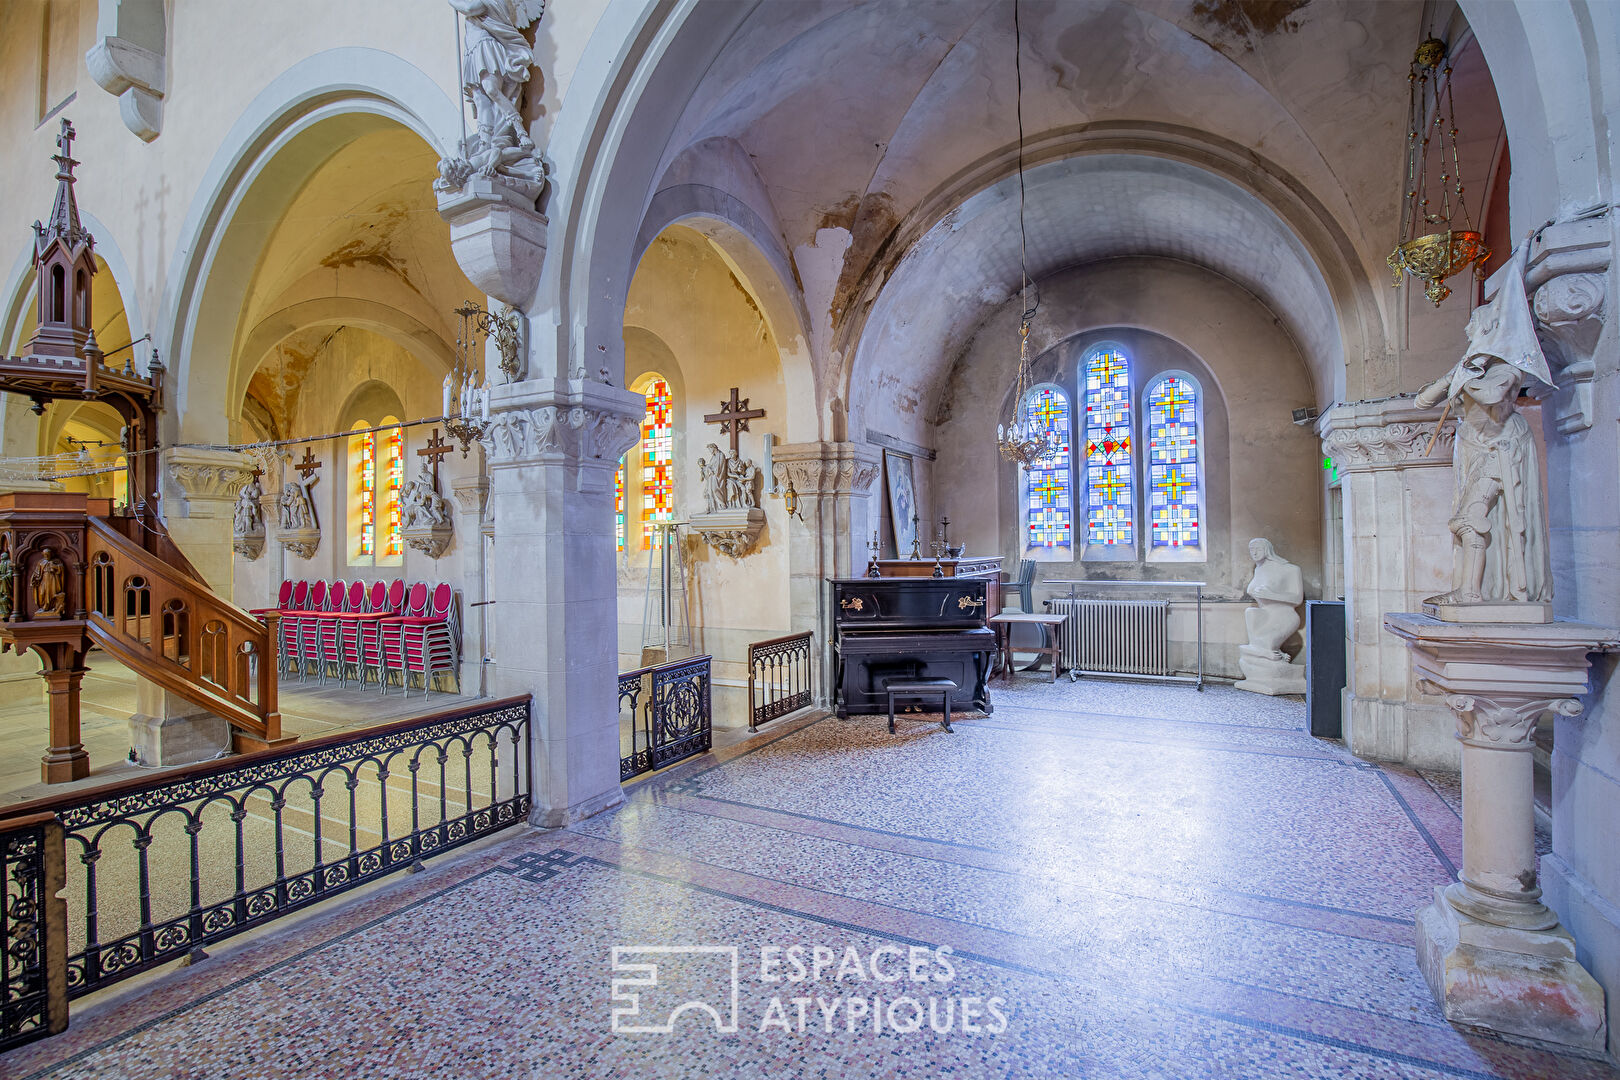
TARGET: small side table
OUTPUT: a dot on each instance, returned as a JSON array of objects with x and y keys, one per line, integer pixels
[
  {"x": 1051, "y": 636},
  {"x": 893, "y": 688}
]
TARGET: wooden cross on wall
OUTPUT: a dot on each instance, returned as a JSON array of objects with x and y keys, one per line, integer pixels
[
  {"x": 733, "y": 417},
  {"x": 308, "y": 465},
  {"x": 433, "y": 451}
]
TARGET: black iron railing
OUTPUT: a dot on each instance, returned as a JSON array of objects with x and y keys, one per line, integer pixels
[
  {"x": 779, "y": 677},
  {"x": 158, "y": 867},
  {"x": 664, "y": 715},
  {"x": 33, "y": 946}
]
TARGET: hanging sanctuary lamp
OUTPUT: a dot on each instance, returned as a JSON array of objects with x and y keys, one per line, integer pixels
[
  {"x": 1438, "y": 239},
  {"x": 1023, "y": 437}
]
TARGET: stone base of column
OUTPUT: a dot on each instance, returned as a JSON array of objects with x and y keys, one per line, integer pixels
[
  {"x": 1518, "y": 982},
  {"x": 558, "y": 817},
  {"x": 178, "y": 740}
]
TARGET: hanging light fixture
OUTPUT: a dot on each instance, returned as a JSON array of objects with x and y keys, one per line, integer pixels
[
  {"x": 1024, "y": 437},
  {"x": 466, "y": 392},
  {"x": 1432, "y": 246}
]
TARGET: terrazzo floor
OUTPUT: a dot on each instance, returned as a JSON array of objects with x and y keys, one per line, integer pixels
[{"x": 1099, "y": 880}]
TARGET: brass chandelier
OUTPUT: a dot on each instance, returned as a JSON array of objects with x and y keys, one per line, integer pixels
[
  {"x": 1024, "y": 437},
  {"x": 1432, "y": 247}
]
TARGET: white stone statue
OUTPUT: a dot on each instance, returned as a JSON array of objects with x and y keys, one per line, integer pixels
[
  {"x": 247, "y": 520},
  {"x": 296, "y": 507},
  {"x": 420, "y": 504},
  {"x": 248, "y": 517},
  {"x": 495, "y": 62},
  {"x": 712, "y": 475},
  {"x": 740, "y": 475},
  {"x": 1278, "y": 588},
  {"x": 1500, "y": 570}
]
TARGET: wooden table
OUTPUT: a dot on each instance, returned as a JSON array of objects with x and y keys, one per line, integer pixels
[{"x": 1051, "y": 634}]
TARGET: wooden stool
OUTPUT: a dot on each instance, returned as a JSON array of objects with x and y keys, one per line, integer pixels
[
  {"x": 921, "y": 688},
  {"x": 1051, "y": 637}
]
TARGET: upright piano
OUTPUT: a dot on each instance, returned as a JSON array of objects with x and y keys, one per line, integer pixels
[{"x": 910, "y": 628}]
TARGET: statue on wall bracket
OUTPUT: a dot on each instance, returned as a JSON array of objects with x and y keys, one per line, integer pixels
[
  {"x": 300, "y": 530},
  {"x": 732, "y": 518},
  {"x": 247, "y": 519},
  {"x": 1500, "y": 567},
  {"x": 495, "y": 62}
]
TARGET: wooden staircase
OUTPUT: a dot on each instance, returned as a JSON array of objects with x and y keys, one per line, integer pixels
[{"x": 124, "y": 586}]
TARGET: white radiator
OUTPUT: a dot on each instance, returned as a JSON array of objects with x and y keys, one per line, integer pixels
[{"x": 1123, "y": 637}]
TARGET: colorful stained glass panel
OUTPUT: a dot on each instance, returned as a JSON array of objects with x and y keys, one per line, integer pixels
[
  {"x": 618, "y": 505},
  {"x": 657, "y": 459},
  {"x": 1173, "y": 502},
  {"x": 1048, "y": 509},
  {"x": 394, "y": 541},
  {"x": 1110, "y": 484},
  {"x": 365, "y": 482}
]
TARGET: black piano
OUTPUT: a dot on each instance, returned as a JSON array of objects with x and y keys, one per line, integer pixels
[{"x": 910, "y": 628}]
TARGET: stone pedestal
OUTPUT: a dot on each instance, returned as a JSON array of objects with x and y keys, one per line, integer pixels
[
  {"x": 1270, "y": 675},
  {"x": 553, "y": 447},
  {"x": 169, "y": 730},
  {"x": 1494, "y": 955},
  {"x": 731, "y": 532},
  {"x": 1397, "y": 553}
]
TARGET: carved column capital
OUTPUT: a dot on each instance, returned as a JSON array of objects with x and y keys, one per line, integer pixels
[
  {"x": 1502, "y": 722},
  {"x": 206, "y": 481},
  {"x": 580, "y": 425},
  {"x": 471, "y": 494},
  {"x": 1568, "y": 275},
  {"x": 1393, "y": 434},
  {"x": 826, "y": 468}
]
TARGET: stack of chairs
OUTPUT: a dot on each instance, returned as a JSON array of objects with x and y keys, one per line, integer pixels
[{"x": 384, "y": 633}]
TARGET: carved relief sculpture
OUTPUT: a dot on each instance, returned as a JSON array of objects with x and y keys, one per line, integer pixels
[
  {"x": 732, "y": 517},
  {"x": 49, "y": 582},
  {"x": 1278, "y": 588},
  {"x": 247, "y": 520},
  {"x": 300, "y": 532},
  {"x": 1498, "y": 517},
  {"x": 495, "y": 63},
  {"x": 425, "y": 516},
  {"x": 8, "y": 580}
]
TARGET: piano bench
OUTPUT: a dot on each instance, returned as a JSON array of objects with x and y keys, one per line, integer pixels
[{"x": 893, "y": 688}]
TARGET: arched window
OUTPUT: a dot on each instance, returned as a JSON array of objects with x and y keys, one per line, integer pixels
[
  {"x": 1173, "y": 474},
  {"x": 378, "y": 462},
  {"x": 1110, "y": 483},
  {"x": 657, "y": 458},
  {"x": 1048, "y": 483},
  {"x": 618, "y": 505}
]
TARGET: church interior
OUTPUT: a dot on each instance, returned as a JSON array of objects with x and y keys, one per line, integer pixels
[{"x": 809, "y": 537}]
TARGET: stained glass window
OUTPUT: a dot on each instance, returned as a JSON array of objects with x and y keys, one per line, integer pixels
[
  {"x": 393, "y": 484},
  {"x": 1173, "y": 501},
  {"x": 618, "y": 505},
  {"x": 364, "y": 448},
  {"x": 1110, "y": 486},
  {"x": 657, "y": 459},
  {"x": 1048, "y": 509}
]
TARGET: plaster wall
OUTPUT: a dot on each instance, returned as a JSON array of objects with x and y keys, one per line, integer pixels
[
  {"x": 1261, "y": 470},
  {"x": 691, "y": 320}
]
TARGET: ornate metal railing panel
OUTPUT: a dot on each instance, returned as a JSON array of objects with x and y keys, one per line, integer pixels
[
  {"x": 157, "y": 868},
  {"x": 33, "y": 945},
  {"x": 780, "y": 677},
  {"x": 665, "y": 715}
]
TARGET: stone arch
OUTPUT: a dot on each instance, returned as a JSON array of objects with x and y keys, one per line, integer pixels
[{"x": 290, "y": 128}]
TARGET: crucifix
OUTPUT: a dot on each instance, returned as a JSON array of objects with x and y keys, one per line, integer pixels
[
  {"x": 308, "y": 465},
  {"x": 733, "y": 417},
  {"x": 435, "y": 449}
]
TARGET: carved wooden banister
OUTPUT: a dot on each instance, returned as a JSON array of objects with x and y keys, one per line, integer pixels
[{"x": 152, "y": 613}]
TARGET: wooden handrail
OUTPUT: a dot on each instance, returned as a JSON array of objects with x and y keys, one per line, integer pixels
[{"x": 147, "y": 609}]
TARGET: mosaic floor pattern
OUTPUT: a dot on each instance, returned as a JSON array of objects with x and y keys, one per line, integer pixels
[{"x": 1100, "y": 880}]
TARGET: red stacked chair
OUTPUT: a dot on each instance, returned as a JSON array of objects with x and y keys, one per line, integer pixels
[
  {"x": 430, "y": 641},
  {"x": 347, "y": 624},
  {"x": 309, "y": 629},
  {"x": 326, "y": 630},
  {"x": 289, "y": 599},
  {"x": 371, "y": 650}
]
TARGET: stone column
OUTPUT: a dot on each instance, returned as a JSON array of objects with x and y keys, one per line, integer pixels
[
  {"x": 553, "y": 627},
  {"x": 1494, "y": 955},
  {"x": 472, "y": 499},
  {"x": 833, "y": 481},
  {"x": 199, "y": 498},
  {"x": 1397, "y": 552}
]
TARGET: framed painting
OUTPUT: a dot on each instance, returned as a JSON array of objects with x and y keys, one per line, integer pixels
[{"x": 902, "y": 501}]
